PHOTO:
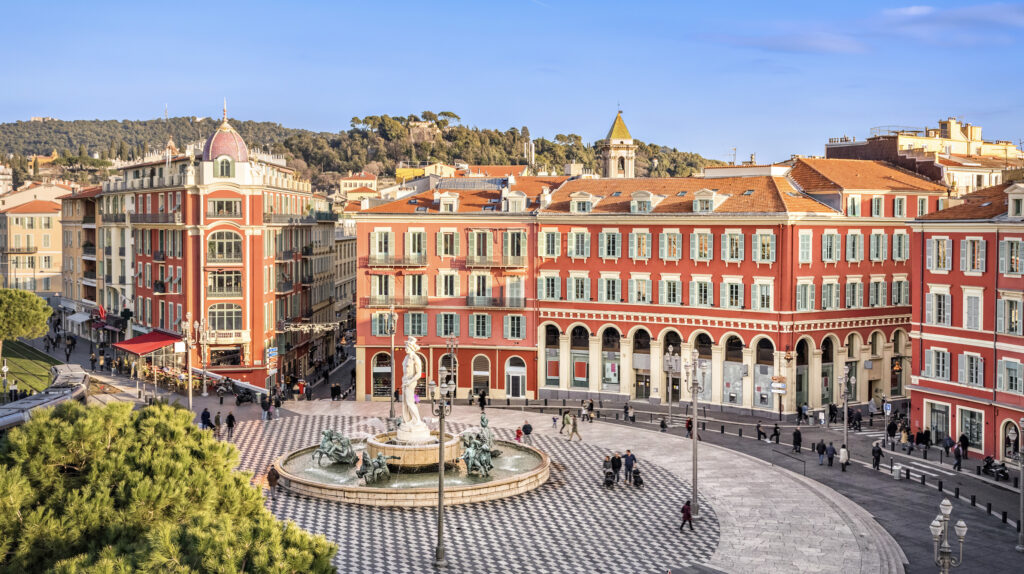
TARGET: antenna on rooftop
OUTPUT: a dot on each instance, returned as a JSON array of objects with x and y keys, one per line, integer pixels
[{"x": 733, "y": 156}]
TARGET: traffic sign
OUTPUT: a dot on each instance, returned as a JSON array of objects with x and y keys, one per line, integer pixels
[
  {"x": 271, "y": 352},
  {"x": 779, "y": 386},
  {"x": 888, "y": 409},
  {"x": 779, "y": 391}
]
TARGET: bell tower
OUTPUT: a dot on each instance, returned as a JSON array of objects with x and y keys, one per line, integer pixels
[{"x": 618, "y": 152}]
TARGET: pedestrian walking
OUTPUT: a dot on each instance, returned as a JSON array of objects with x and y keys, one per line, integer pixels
[
  {"x": 820, "y": 449},
  {"x": 102, "y": 361},
  {"x": 775, "y": 434},
  {"x": 566, "y": 421},
  {"x": 92, "y": 361},
  {"x": 272, "y": 477},
  {"x": 689, "y": 427},
  {"x": 948, "y": 443},
  {"x": 309, "y": 392},
  {"x": 204, "y": 420},
  {"x": 554, "y": 423},
  {"x": 67, "y": 354},
  {"x": 216, "y": 425},
  {"x": 231, "y": 425},
  {"x": 965, "y": 443},
  {"x": 575, "y": 429},
  {"x": 833, "y": 412},
  {"x": 844, "y": 457},
  {"x": 797, "y": 440},
  {"x": 890, "y": 429},
  {"x": 687, "y": 517},
  {"x": 876, "y": 455},
  {"x": 760, "y": 433},
  {"x": 590, "y": 410},
  {"x": 663, "y": 425},
  {"x": 270, "y": 410},
  {"x": 904, "y": 439},
  {"x": 483, "y": 400},
  {"x": 830, "y": 453},
  {"x": 519, "y": 434},
  {"x": 958, "y": 457},
  {"x": 625, "y": 412},
  {"x": 629, "y": 461},
  {"x": 527, "y": 432},
  {"x": 616, "y": 466},
  {"x": 277, "y": 406},
  {"x": 265, "y": 405},
  {"x": 632, "y": 415}
]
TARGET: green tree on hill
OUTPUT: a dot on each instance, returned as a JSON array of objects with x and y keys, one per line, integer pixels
[
  {"x": 22, "y": 314},
  {"x": 115, "y": 490}
]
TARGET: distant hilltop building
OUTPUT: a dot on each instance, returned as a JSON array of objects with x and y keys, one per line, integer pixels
[
  {"x": 42, "y": 119},
  {"x": 953, "y": 154}
]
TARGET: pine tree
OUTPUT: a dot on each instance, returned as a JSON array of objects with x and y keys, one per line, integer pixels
[{"x": 22, "y": 314}]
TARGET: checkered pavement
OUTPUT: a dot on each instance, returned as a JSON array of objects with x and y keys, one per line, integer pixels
[{"x": 571, "y": 524}]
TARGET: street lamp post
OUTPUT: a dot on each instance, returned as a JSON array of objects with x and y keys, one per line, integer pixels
[
  {"x": 941, "y": 550},
  {"x": 189, "y": 337},
  {"x": 695, "y": 390},
  {"x": 391, "y": 331},
  {"x": 203, "y": 334},
  {"x": 669, "y": 359},
  {"x": 1013, "y": 434},
  {"x": 440, "y": 406},
  {"x": 846, "y": 406}
]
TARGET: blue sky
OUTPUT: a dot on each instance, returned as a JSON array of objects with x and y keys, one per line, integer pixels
[{"x": 772, "y": 78}]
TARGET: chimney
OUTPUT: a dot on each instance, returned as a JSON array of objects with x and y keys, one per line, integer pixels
[{"x": 545, "y": 197}]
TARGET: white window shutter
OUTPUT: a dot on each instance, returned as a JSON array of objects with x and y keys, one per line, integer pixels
[
  {"x": 756, "y": 248},
  {"x": 586, "y": 289},
  {"x": 981, "y": 372},
  {"x": 632, "y": 291},
  {"x": 693, "y": 294},
  {"x": 928, "y": 309},
  {"x": 570, "y": 250},
  {"x": 963, "y": 255},
  {"x": 647, "y": 246},
  {"x": 1000, "y": 366},
  {"x": 742, "y": 239},
  {"x": 929, "y": 252},
  {"x": 507, "y": 331},
  {"x": 725, "y": 247},
  {"x": 949, "y": 252},
  {"x": 982, "y": 254},
  {"x": 771, "y": 251},
  {"x": 929, "y": 361},
  {"x": 1000, "y": 314},
  {"x": 601, "y": 290},
  {"x": 586, "y": 245},
  {"x": 632, "y": 246},
  {"x": 961, "y": 362},
  {"x": 724, "y": 293},
  {"x": 661, "y": 290},
  {"x": 810, "y": 296},
  {"x": 693, "y": 246},
  {"x": 602, "y": 244},
  {"x": 1002, "y": 256}
]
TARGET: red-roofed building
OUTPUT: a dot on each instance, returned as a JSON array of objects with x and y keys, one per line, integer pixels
[
  {"x": 575, "y": 288},
  {"x": 968, "y": 312}
]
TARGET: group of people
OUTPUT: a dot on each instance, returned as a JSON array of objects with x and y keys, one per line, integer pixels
[
  {"x": 829, "y": 452},
  {"x": 613, "y": 466},
  {"x": 524, "y": 433},
  {"x": 206, "y": 423},
  {"x": 570, "y": 421}
]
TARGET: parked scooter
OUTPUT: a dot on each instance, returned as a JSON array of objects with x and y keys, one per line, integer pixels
[{"x": 995, "y": 469}]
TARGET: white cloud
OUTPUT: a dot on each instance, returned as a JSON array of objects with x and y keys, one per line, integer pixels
[{"x": 909, "y": 11}]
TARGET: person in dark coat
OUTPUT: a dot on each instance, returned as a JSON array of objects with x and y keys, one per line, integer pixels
[
  {"x": 590, "y": 410},
  {"x": 760, "y": 433},
  {"x": 272, "y": 478},
  {"x": 948, "y": 443},
  {"x": 687, "y": 517},
  {"x": 629, "y": 460},
  {"x": 820, "y": 449},
  {"x": 797, "y": 440},
  {"x": 965, "y": 443},
  {"x": 830, "y": 452},
  {"x": 527, "y": 432},
  {"x": 775, "y": 434},
  {"x": 958, "y": 457},
  {"x": 204, "y": 419},
  {"x": 891, "y": 429},
  {"x": 231, "y": 424},
  {"x": 92, "y": 361},
  {"x": 616, "y": 465},
  {"x": 876, "y": 456}
]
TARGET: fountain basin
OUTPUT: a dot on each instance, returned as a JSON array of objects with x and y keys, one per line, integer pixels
[
  {"x": 413, "y": 456},
  {"x": 338, "y": 483}
]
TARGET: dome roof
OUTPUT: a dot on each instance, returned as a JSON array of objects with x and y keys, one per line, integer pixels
[{"x": 225, "y": 141}]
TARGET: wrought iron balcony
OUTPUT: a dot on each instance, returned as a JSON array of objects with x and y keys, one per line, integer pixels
[
  {"x": 389, "y": 260},
  {"x": 156, "y": 217},
  {"x": 159, "y": 256},
  {"x": 112, "y": 218},
  {"x": 307, "y": 250},
  {"x": 108, "y": 250},
  {"x": 389, "y": 301},
  {"x": 288, "y": 219},
  {"x": 284, "y": 287},
  {"x": 89, "y": 251},
  {"x": 31, "y": 249},
  {"x": 496, "y": 302},
  {"x": 495, "y": 261},
  {"x": 215, "y": 258}
]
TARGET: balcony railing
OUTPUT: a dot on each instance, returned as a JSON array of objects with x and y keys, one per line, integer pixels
[
  {"x": 120, "y": 251},
  {"x": 285, "y": 254},
  {"x": 159, "y": 256},
  {"x": 109, "y": 279},
  {"x": 159, "y": 287},
  {"x": 156, "y": 217},
  {"x": 89, "y": 219},
  {"x": 224, "y": 214},
  {"x": 388, "y": 260},
  {"x": 496, "y": 302},
  {"x": 89, "y": 275},
  {"x": 32, "y": 249},
  {"x": 224, "y": 292},
  {"x": 112, "y": 218},
  {"x": 325, "y": 215},
  {"x": 307, "y": 250},
  {"x": 307, "y": 279},
  {"x": 388, "y": 301},
  {"x": 89, "y": 251},
  {"x": 214, "y": 258},
  {"x": 284, "y": 287},
  {"x": 108, "y": 250},
  {"x": 288, "y": 219},
  {"x": 495, "y": 261}
]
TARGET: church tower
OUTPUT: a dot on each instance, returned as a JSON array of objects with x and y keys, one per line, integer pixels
[{"x": 618, "y": 152}]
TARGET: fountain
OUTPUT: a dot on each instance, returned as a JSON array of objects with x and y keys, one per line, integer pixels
[{"x": 400, "y": 468}]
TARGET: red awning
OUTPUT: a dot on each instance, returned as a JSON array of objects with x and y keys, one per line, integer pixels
[{"x": 146, "y": 344}]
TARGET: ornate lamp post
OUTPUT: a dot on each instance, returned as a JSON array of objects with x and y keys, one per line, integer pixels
[
  {"x": 695, "y": 389},
  {"x": 669, "y": 360},
  {"x": 391, "y": 331},
  {"x": 189, "y": 337},
  {"x": 846, "y": 408},
  {"x": 942, "y": 551},
  {"x": 441, "y": 406},
  {"x": 1012, "y": 434}
]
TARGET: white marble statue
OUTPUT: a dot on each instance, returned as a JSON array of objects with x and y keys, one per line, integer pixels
[{"x": 413, "y": 428}]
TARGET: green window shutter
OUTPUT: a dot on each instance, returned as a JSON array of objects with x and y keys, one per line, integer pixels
[
  {"x": 693, "y": 246},
  {"x": 725, "y": 247},
  {"x": 662, "y": 238},
  {"x": 647, "y": 246},
  {"x": 601, "y": 290},
  {"x": 457, "y": 241},
  {"x": 693, "y": 294},
  {"x": 632, "y": 246},
  {"x": 602, "y": 245},
  {"x": 742, "y": 239},
  {"x": 540, "y": 288},
  {"x": 490, "y": 244},
  {"x": 571, "y": 248},
  {"x": 438, "y": 243},
  {"x": 586, "y": 245},
  {"x": 558, "y": 287},
  {"x": 523, "y": 245},
  {"x": 661, "y": 291},
  {"x": 457, "y": 323},
  {"x": 373, "y": 242},
  {"x": 487, "y": 326},
  {"x": 586, "y": 289},
  {"x": 406, "y": 325},
  {"x": 472, "y": 244},
  {"x": 375, "y": 325},
  {"x": 755, "y": 243},
  {"x": 724, "y": 294},
  {"x": 507, "y": 327},
  {"x": 504, "y": 243},
  {"x": 810, "y": 296},
  {"x": 632, "y": 291},
  {"x": 558, "y": 244},
  {"x": 883, "y": 289},
  {"x": 772, "y": 248}
]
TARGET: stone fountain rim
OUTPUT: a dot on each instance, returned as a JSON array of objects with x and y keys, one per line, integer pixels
[
  {"x": 375, "y": 440},
  {"x": 374, "y": 496}
]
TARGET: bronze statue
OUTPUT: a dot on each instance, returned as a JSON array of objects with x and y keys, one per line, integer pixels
[
  {"x": 476, "y": 454},
  {"x": 336, "y": 447},
  {"x": 374, "y": 470}
]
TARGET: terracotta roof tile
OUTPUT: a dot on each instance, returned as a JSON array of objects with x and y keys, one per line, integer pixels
[
  {"x": 856, "y": 175},
  {"x": 360, "y": 175},
  {"x": 470, "y": 201},
  {"x": 493, "y": 170},
  {"x": 981, "y": 161},
  {"x": 982, "y": 204},
  {"x": 37, "y": 206}
]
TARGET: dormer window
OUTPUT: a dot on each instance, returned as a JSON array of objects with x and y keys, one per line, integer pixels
[
  {"x": 516, "y": 204},
  {"x": 641, "y": 206},
  {"x": 706, "y": 200},
  {"x": 448, "y": 206},
  {"x": 581, "y": 206},
  {"x": 1017, "y": 206},
  {"x": 703, "y": 205}
]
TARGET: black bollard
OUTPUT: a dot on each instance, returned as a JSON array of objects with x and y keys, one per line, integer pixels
[
  {"x": 563, "y": 404},
  {"x": 940, "y": 486},
  {"x": 1016, "y": 481},
  {"x": 703, "y": 426},
  {"x": 600, "y": 403},
  {"x": 924, "y": 453},
  {"x": 527, "y": 402},
  {"x": 616, "y": 418},
  {"x": 973, "y": 499},
  {"x": 890, "y": 465},
  {"x": 977, "y": 470},
  {"x": 892, "y": 447},
  {"x": 741, "y": 432},
  {"x": 508, "y": 402},
  {"x": 907, "y": 470},
  {"x": 545, "y": 401},
  {"x": 723, "y": 429},
  {"x": 988, "y": 507},
  {"x": 222, "y": 400},
  {"x": 922, "y": 480},
  {"x": 956, "y": 492},
  {"x": 1004, "y": 517}
]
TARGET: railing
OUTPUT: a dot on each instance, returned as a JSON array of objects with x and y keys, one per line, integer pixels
[
  {"x": 288, "y": 219},
  {"x": 495, "y": 261},
  {"x": 307, "y": 250},
  {"x": 120, "y": 251},
  {"x": 802, "y": 462},
  {"x": 387, "y": 301},
  {"x": 90, "y": 251},
  {"x": 228, "y": 337},
  {"x": 503, "y": 302},
  {"x": 159, "y": 256},
  {"x": 120, "y": 280},
  {"x": 286, "y": 254},
  {"x": 109, "y": 279},
  {"x": 224, "y": 292},
  {"x": 159, "y": 287},
  {"x": 284, "y": 287},
  {"x": 388, "y": 260},
  {"x": 112, "y": 218},
  {"x": 89, "y": 219},
  {"x": 212, "y": 258},
  {"x": 156, "y": 217},
  {"x": 224, "y": 214},
  {"x": 89, "y": 275},
  {"x": 108, "y": 250},
  {"x": 32, "y": 249},
  {"x": 325, "y": 215},
  {"x": 307, "y": 279}
]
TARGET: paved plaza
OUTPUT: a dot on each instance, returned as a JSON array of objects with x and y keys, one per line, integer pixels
[{"x": 753, "y": 516}]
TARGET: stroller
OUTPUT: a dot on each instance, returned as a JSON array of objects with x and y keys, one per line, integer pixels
[
  {"x": 638, "y": 481},
  {"x": 609, "y": 479}
]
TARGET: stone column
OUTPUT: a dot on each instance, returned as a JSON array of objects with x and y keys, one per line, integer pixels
[
  {"x": 657, "y": 371},
  {"x": 748, "y": 381},
  {"x": 814, "y": 380},
  {"x": 789, "y": 373},
  {"x": 564, "y": 364},
  {"x": 717, "y": 368},
  {"x": 595, "y": 364},
  {"x": 627, "y": 378}
]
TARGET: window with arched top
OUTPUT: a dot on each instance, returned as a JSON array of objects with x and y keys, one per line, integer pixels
[
  {"x": 225, "y": 317},
  {"x": 224, "y": 247},
  {"x": 622, "y": 164},
  {"x": 224, "y": 168}
]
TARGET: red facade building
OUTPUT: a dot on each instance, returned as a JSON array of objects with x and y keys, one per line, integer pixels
[
  {"x": 578, "y": 287},
  {"x": 968, "y": 283}
]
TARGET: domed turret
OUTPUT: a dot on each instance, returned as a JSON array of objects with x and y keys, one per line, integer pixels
[{"x": 225, "y": 141}]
